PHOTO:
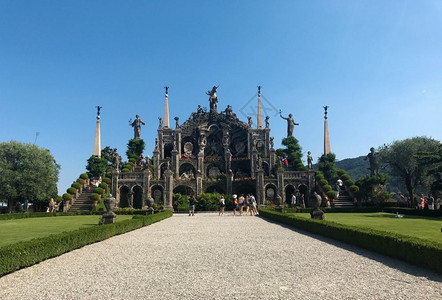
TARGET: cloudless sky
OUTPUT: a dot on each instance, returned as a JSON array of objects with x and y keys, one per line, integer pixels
[{"x": 377, "y": 64}]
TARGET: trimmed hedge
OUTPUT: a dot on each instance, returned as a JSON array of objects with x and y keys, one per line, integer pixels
[
  {"x": 413, "y": 250},
  {"x": 24, "y": 254}
]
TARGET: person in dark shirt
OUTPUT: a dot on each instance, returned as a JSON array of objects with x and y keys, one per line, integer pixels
[{"x": 191, "y": 205}]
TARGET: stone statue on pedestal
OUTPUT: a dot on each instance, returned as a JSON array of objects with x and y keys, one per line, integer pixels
[
  {"x": 290, "y": 124},
  {"x": 136, "y": 124},
  {"x": 213, "y": 99},
  {"x": 309, "y": 160}
]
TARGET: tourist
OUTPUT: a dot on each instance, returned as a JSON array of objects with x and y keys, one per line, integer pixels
[
  {"x": 222, "y": 204},
  {"x": 191, "y": 205},
  {"x": 25, "y": 205},
  {"x": 430, "y": 202},
  {"x": 235, "y": 204},
  {"x": 422, "y": 201},
  {"x": 246, "y": 200},
  {"x": 241, "y": 204},
  {"x": 51, "y": 205},
  {"x": 327, "y": 201},
  {"x": 252, "y": 203},
  {"x": 301, "y": 201},
  {"x": 293, "y": 201}
]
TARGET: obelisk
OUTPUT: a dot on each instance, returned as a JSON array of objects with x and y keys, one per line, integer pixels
[
  {"x": 326, "y": 136},
  {"x": 259, "y": 121},
  {"x": 166, "y": 109},
  {"x": 97, "y": 143}
]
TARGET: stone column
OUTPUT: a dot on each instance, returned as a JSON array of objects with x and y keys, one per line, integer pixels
[
  {"x": 260, "y": 192},
  {"x": 146, "y": 190},
  {"x": 168, "y": 191},
  {"x": 97, "y": 144},
  {"x": 280, "y": 180},
  {"x": 115, "y": 191},
  {"x": 200, "y": 164},
  {"x": 253, "y": 160},
  {"x": 199, "y": 183},
  {"x": 229, "y": 180},
  {"x": 175, "y": 163}
]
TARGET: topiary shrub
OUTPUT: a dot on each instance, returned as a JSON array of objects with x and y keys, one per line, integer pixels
[
  {"x": 349, "y": 182},
  {"x": 66, "y": 197},
  {"x": 323, "y": 182},
  {"x": 331, "y": 195},
  {"x": 99, "y": 190},
  {"x": 125, "y": 170},
  {"x": 76, "y": 185},
  {"x": 132, "y": 160},
  {"x": 340, "y": 172},
  {"x": 107, "y": 180},
  {"x": 354, "y": 189},
  {"x": 104, "y": 186},
  {"x": 345, "y": 177},
  {"x": 319, "y": 176},
  {"x": 71, "y": 191},
  {"x": 84, "y": 176},
  {"x": 80, "y": 181},
  {"x": 327, "y": 188},
  {"x": 94, "y": 196}
]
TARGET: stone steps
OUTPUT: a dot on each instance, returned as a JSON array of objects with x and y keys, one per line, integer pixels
[{"x": 82, "y": 202}]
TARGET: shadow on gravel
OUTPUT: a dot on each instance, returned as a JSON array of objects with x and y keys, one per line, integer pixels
[{"x": 386, "y": 260}]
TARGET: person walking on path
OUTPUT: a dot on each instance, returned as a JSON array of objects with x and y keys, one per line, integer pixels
[
  {"x": 222, "y": 204},
  {"x": 252, "y": 203},
  {"x": 191, "y": 205},
  {"x": 246, "y": 200},
  {"x": 301, "y": 201},
  {"x": 293, "y": 200},
  {"x": 235, "y": 204},
  {"x": 422, "y": 201},
  {"x": 241, "y": 204}
]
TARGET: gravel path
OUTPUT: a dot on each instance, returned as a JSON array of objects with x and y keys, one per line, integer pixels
[{"x": 212, "y": 257}]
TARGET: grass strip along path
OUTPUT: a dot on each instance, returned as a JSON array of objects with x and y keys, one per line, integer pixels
[
  {"x": 420, "y": 227},
  {"x": 19, "y": 230}
]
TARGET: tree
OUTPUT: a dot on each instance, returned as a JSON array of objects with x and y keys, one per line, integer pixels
[
  {"x": 293, "y": 151},
  {"x": 96, "y": 166},
  {"x": 403, "y": 161},
  {"x": 434, "y": 161},
  {"x": 135, "y": 148},
  {"x": 108, "y": 154},
  {"x": 27, "y": 172},
  {"x": 327, "y": 166}
]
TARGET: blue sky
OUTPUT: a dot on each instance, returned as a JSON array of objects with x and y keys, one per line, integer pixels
[{"x": 377, "y": 64}]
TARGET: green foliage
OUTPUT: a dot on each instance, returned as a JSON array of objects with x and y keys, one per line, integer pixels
[
  {"x": 125, "y": 170},
  {"x": 402, "y": 158},
  {"x": 80, "y": 181},
  {"x": 96, "y": 166},
  {"x": 104, "y": 186},
  {"x": 354, "y": 189},
  {"x": 94, "y": 196},
  {"x": 107, "y": 180},
  {"x": 319, "y": 176},
  {"x": 135, "y": 148},
  {"x": 331, "y": 194},
  {"x": 84, "y": 176},
  {"x": 327, "y": 166},
  {"x": 76, "y": 185},
  {"x": 413, "y": 250},
  {"x": 327, "y": 188},
  {"x": 71, "y": 191},
  {"x": 349, "y": 182},
  {"x": 294, "y": 153},
  {"x": 132, "y": 160},
  {"x": 66, "y": 196},
  {"x": 207, "y": 202},
  {"x": 380, "y": 196},
  {"x": 24, "y": 254},
  {"x": 27, "y": 172},
  {"x": 369, "y": 184},
  {"x": 99, "y": 190},
  {"x": 345, "y": 177},
  {"x": 323, "y": 182}
]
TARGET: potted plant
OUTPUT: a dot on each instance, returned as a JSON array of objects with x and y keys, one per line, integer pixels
[
  {"x": 104, "y": 186},
  {"x": 72, "y": 191},
  {"x": 66, "y": 197},
  {"x": 94, "y": 197},
  {"x": 76, "y": 186},
  {"x": 99, "y": 191}
]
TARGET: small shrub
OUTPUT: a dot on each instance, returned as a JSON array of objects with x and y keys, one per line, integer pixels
[
  {"x": 107, "y": 180},
  {"x": 94, "y": 196},
  {"x": 340, "y": 172},
  {"x": 71, "y": 191},
  {"x": 66, "y": 197},
  {"x": 104, "y": 186},
  {"x": 323, "y": 182},
  {"x": 132, "y": 160},
  {"x": 349, "y": 182},
  {"x": 76, "y": 185},
  {"x": 327, "y": 188},
  {"x": 125, "y": 170},
  {"x": 331, "y": 195},
  {"x": 345, "y": 177},
  {"x": 84, "y": 176},
  {"x": 80, "y": 181},
  {"x": 354, "y": 189},
  {"x": 99, "y": 190}
]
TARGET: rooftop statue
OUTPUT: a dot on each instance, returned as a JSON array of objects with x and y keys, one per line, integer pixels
[
  {"x": 136, "y": 124},
  {"x": 373, "y": 160},
  {"x": 290, "y": 124},
  {"x": 213, "y": 99}
]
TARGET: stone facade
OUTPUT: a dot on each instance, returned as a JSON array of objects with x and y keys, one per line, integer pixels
[{"x": 211, "y": 152}]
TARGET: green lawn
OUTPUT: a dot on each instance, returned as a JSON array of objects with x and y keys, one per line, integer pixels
[
  {"x": 16, "y": 230},
  {"x": 421, "y": 227}
]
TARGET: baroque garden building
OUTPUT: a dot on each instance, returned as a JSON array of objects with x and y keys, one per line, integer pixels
[{"x": 211, "y": 152}]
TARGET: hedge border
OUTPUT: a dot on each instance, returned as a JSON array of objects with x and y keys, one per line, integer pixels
[
  {"x": 24, "y": 254},
  {"x": 401, "y": 210},
  {"x": 413, "y": 250}
]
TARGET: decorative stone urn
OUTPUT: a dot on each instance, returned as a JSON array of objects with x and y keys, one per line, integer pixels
[
  {"x": 280, "y": 202},
  {"x": 109, "y": 217},
  {"x": 316, "y": 213},
  {"x": 150, "y": 203}
]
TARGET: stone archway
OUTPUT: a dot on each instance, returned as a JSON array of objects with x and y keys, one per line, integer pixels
[
  {"x": 184, "y": 190},
  {"x": 289, "y": 190},
  {"x": 158, "y": 194},
  {"x": 124, "y": 197},
  {"x": 137, "y": 197},
  {"x": 271, "y": 192}
]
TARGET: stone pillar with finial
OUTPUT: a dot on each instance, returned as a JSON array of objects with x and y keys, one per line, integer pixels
[
  {"x": 166, "y": 108},
  {"x": 326, "y": 135},
  {"x": 259, "y": 119},
  {"x": 97, "y": 144}
]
